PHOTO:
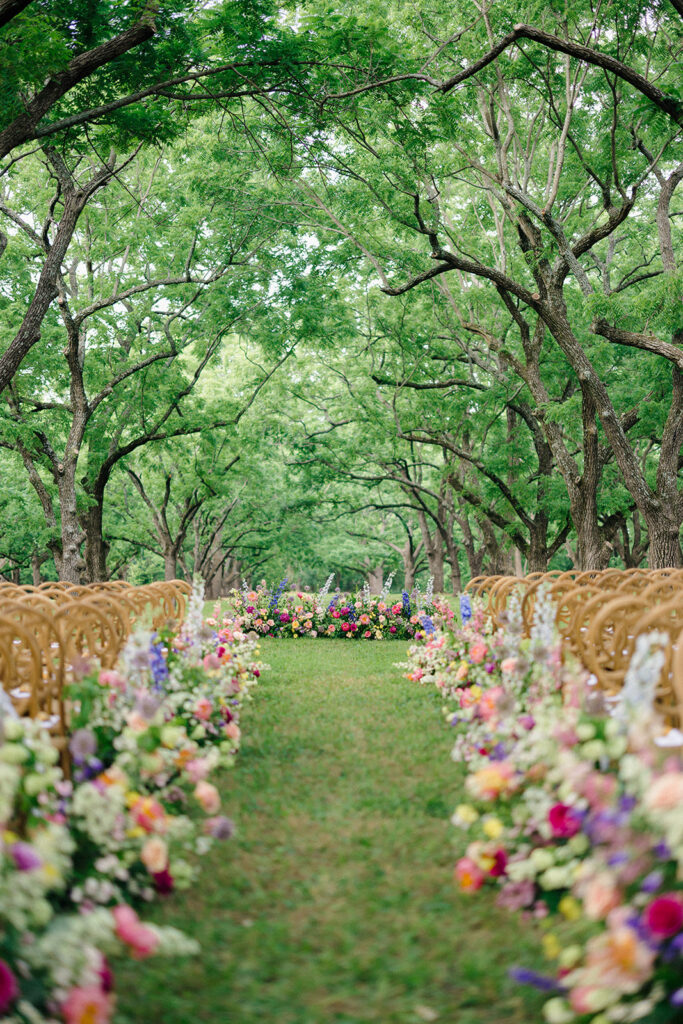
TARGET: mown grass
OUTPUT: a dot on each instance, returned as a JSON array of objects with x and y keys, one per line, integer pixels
[{"x": 335, "y": 902}]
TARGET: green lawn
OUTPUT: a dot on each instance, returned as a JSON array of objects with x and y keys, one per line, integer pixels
[{"x": 335, "y": 902}]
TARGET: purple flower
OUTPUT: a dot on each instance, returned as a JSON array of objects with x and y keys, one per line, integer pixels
[
  {"x": 465, "y": 608},
  {"x": 82, "y": 744},
  {"x": 662, "y": 851},
  {"x": 516, "y": 895},
  {"x": 652, "y": 882},
  {"x": 676, "y": 998},
  {"x": 524, "y": 976},
  {"x": 222, "y": 828},
  {"x": 25, "y": 857}
]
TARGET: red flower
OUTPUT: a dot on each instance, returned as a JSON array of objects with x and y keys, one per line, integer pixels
[
  {"x": 664, "y": 916},
  {"x": 163, "y": 882},
  {"x": 564, "y": 821},
  {"x": 500, "y": 863}
]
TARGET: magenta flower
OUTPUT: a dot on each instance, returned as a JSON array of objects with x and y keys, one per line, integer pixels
[
  {"x": 663, "y": 918},
  {"x": 564, "y": 821},
  {"x": 9, "y": 989},
  {"x": 25, "y": 857}
]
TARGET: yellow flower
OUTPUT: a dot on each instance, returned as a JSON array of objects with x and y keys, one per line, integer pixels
[
  {"x": 136, "y": 832},
  {"x": 10, "y": 837},
  {"x": 132, "y": 798},
  {"x": 570, "y": 908},
  {"x": 493, "y": 828},
  {"x": 466, "y": 813},
  {"x": 551, "y": 947}
]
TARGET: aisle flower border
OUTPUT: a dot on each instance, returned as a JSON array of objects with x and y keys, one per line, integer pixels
[
  {"x": 283, "y": 614},
  {"x": 573, "y": 811},
  {"x": 79, "y": 856}
]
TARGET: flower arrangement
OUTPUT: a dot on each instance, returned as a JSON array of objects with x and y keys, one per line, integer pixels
[
  {"x": 573, "y": 815},
  {"x": 77, "y": 855},
  {"x": 360, "y": 616}
]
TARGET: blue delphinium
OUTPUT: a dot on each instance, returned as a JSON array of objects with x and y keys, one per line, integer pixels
[
  {"x": 406, "y": 602},
  {"x": 352, "y": 613},
  {"x": 465, "y": 608},
  {"x": 277, "y": 594},
  {"x": 428, "y": 625},
  {"x": 157, "y": 663}
]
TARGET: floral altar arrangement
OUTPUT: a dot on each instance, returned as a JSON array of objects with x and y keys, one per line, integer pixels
[
  {"x": 79, "y": 854},
  {"x": 573, "y": 812},
  {"x": 361, "y": 616}
]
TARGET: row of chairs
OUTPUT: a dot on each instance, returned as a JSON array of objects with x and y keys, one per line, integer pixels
[
  {"x": 600, "y": 616},
  {"x": 47, "y": 632}
]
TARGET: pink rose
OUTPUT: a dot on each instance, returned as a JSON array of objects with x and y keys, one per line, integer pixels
[
  {"x": 392, "y": 629},
  {"x": 564, "y": 821},
  {"x": 397, "y": 609},
  {"x": 208, "y": 797},
  {"x": 469, "y": 875},
  {"x": 211, "y": 661},
  {"x": 130, "y": 929},
  {"x": 87, "y": 1003},
  {"x": 508, "y": 665},
  {"x": 232, "y": 730}
]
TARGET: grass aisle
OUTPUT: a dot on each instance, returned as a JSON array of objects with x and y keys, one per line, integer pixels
[{"x": 335, "y": 903}]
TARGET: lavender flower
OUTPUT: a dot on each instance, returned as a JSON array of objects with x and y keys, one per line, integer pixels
[
  {"x": 25, "y": 857},
  {"x": 82, "y": 745},
  {"x": 222, "y": 827}
]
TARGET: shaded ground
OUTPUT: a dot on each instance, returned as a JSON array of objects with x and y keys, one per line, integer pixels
[{"x": 335, "y": 903}]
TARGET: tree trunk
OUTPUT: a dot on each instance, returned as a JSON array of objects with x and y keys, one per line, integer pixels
[
  {"x": 96, "y": 548},
  {"x": 72, "y": 566},
  {"x": 170, "y": 563},
  {"x": 376, "y": 579},
  {"x": 36, "y": 562},
  {"x": 665, "y": 544}
]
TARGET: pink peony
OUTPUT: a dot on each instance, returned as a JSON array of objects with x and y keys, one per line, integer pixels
[
  {"x": 469, "y": 875},
  {"x": 392, "y": 629},
  {"x": 130, "y": 929},
  {"x": 87, "y": 1005},
  {"x": 232, "y": 730},
  {"x": 564, "y": 821},
  {"x": 211, "y": 661},
  {"x": 508, "y": 665},
  {"x": 666, "y": 792},
  {"x": 397, "y": 609},
  {"x": 203, "y": 709},
  {"x": 367, "y": 634},
  {"x": 9, "y": 989},
  {"x": 478, "y": 652},
  {"x": 197, "y": 769},
  {"x": 108, "y": 677},
  {"x": 664, "y": 916},
  {"x": 600, "y": 896},
  {"x": 208, "y": 797}
]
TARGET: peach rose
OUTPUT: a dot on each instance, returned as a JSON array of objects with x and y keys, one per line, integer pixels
[
  {"x": 203, "y": 709},
  {"x": 666, "y": 792},
  {"x": 478, "y": 652},
  {"x": 208, "y": 797},
  {"x": 600, "y": 895},
  {"x": 508, "y": 665},
  {"x": 154, "y": 855},
  {"x": 232, "y": 730}
]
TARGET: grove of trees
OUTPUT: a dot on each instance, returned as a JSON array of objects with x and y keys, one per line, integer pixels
[{"x": 294, "y": 289}]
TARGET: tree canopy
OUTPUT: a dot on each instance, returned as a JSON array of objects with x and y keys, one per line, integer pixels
[{"x": 354, "y": 288}]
